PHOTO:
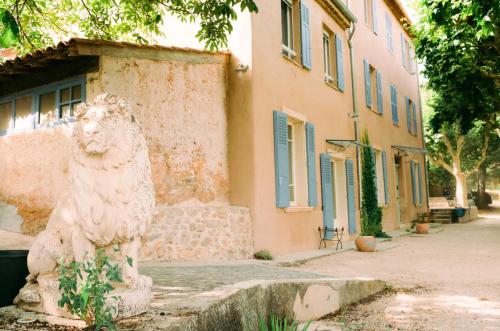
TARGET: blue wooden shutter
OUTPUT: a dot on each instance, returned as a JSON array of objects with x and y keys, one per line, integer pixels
[
  {"x": 413, "y": 183},
  {"x": 388, "y": 26},
  {"x": 326, "y": 191},
  {"x": 368, "y": 88},
  {"x": 419, "y": 177},
  {"x": 282, "y": 176},
  {"x": 374, "y": 16},
  {"x": 366, "y": 10},
  {"x": 305, "y": 31},
  {"x": 403, "y": 51},
  {"x": 394, "y": 105},
  {"x": 380, "y": 101},
  {"x": 351, "y": 209},
  {"x": 408, "y": 114},
  {"x": 311, "y": 165},
  {"x": 340, "y": 62},
  {"x": 384, "y": 171},
  {"x": 414, "y": 111}
]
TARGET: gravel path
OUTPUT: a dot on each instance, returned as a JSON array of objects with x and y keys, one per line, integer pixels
[{"x": 444, "y": 281}]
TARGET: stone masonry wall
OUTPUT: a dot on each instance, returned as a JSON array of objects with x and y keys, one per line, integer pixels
[{"x": 199, "y": 233}]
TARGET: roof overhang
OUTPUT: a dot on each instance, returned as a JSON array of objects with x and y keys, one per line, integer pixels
[
  {"x": 339, "y": 12},
  {"x": 396, "y": 7},
  {"x": 79, "y": 56}
]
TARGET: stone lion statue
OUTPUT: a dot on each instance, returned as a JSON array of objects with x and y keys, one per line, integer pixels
[{"x": 110, "y": 203}]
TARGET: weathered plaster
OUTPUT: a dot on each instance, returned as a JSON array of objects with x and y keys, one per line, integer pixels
[
  {"x": 33, "y": 169},
  {"x": 182, "y": 108}
]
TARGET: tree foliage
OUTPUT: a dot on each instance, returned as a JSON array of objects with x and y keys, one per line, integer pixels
[
  {"x": 458, "y": 41},
  {"x": 40, "y": 22}
]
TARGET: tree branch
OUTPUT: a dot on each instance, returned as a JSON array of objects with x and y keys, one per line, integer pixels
[
  {"x": 484, "y": 152},
  {"x": 440, "y": 162}
]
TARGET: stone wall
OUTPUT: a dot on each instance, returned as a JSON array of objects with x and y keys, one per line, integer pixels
[{"x": 199, "y": 233}]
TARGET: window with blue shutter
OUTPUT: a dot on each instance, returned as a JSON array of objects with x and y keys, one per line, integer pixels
[
  {"x": 414, "y": 111},
  {"x": 403, "y": 50},
  {"x": 394, "y": 105},
  {"x": 327, "y": 192},
  {"x": 413, "y": 183},
  {"x": 374, "y": 16},
  {"x": 388, "y": 28},
  {"x": 311, "y": 165},
  {"x": 340, "y": 62},
  {"x": 384, "y": 172},
  {"x": 419, "y": 177},
  {"x": 351, "y": 209},
  {"x": 380, "y": 101},
  {"x": 281, "y": 168},
  {"x": 305, "y": 35},
  {"x": 368, "y": 88},
  {"x": 408, "y": 114}
]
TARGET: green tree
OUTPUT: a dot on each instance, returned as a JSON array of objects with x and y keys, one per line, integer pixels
[
  {"x": 41, "y": 21},
  {"x": 458, "y": 41}
]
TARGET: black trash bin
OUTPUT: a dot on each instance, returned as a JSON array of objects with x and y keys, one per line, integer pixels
[{"x": 13, "y": 273}]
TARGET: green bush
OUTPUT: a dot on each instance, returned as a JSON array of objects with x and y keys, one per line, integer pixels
[
  {"x": 371, "y": 213},
  {"x": 263, "y": 255},
  {"x": 277, "y": 324},
  {"x": 84, "y": 286}
]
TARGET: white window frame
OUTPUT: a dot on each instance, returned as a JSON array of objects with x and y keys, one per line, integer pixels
[
  {"x": 327, "y": 57},
  {"x": 288, "y": 49},
  {"x": 292, "y": 143}
]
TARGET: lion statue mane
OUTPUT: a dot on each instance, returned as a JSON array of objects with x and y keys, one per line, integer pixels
[{"x": 110, "y": 201}]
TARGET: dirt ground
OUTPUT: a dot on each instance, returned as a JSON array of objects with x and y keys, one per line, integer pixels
[{"x": 443, "y": 281}]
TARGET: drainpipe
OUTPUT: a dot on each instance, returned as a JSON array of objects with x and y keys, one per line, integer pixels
[
  {"x": 422, "y": 135},
  {"x": 355, "y": 116}
]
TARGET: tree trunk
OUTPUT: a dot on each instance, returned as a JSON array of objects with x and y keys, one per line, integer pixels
[
  {"x": 461, "y": 190},
  {"x": 481, "y": 180}
]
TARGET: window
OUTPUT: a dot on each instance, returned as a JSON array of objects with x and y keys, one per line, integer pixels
[
  {"x": 334, "y": 194},
  {"x": 297, "y": 164},
  {"x": 416, "y": 182},
  {"x": 411, "y": 116},
  {"x": 380, "y": 177},
  {"x": 287, "y": 28},
  {"x": 295, "y": 32},
  {"x": 329, "y": 57},
  {"x": 295, "y": 161},
  {"x": 370, "y": 7},
  {"x": 373, "y": 87},
  {"x": 388, "y": 27},
  {"x": 41, "y": 106},
  {"x": 394, "y": 105},
  {"x": 408, "y": 54},
  {"x": 333, "y": 59}
]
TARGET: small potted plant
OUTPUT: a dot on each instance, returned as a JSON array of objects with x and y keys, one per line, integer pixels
[{"x": 421, "y": 226}]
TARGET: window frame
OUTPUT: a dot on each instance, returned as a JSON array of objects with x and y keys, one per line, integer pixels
[
  {"x": 292, "y": 158},
  {"x": 331, "y": 77},
  {"x": 35, "y": 94},
  {"x": 288, "y": 50},
  {"x": 373, "y": 88}
]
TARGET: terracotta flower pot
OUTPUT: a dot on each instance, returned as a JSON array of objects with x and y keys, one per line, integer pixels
[
  {"x": 422, "y": 228},
  {"x": 365, "y": 243}
]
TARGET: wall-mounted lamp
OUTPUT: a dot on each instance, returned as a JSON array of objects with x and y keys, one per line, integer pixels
[{"x": 241, "y": 67}]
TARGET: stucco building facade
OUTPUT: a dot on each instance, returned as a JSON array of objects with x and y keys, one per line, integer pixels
[{"x": 251, "y": 149}]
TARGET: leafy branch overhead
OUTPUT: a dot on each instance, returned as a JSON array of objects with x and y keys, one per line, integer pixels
[
  {"x": 459, "y": 43},
  {"x": 40, "y": 22}
]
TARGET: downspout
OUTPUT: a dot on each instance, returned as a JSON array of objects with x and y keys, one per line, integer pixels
[
  {"x": 423, "y": 138},
  {"x": 355, "y": 116}
]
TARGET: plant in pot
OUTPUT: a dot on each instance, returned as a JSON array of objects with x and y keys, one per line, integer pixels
[
  {"x": 371, "y": 213},
  {"x": 421, "y": 225}
]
